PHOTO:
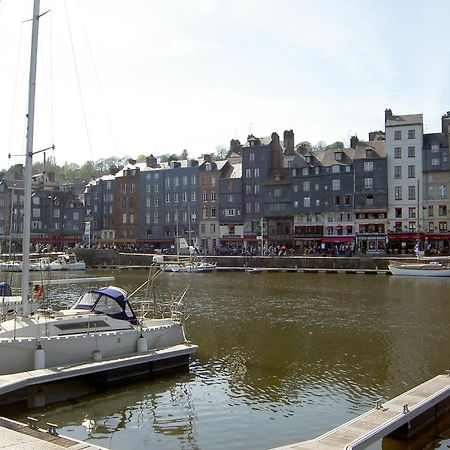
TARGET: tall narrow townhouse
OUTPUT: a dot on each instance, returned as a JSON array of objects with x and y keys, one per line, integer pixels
[
  {"x": 404, "y": 142},
  {"x": 370, "y": 165},
  {"x": 436, "y": 173},
  {"x": 231, "y": 219},
  {"x": 210, "y": 173}
]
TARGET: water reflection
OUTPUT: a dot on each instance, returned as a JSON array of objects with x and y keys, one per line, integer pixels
[{"x": 282, "y": 358}]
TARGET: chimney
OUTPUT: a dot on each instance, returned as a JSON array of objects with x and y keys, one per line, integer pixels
[
  {"x": 446, "y": 123},
  {"x": 235, "y": 146},
  {"x": 132, "y": 161},
  {"x": 354, "y": 142},
  {"x": 207, "y": 158},
  {"x": 288, "y": 138},
  {"x": 387, "y": 115},
  {"x": 113, "y": 170},
  {"x": 151, "y": 161}
]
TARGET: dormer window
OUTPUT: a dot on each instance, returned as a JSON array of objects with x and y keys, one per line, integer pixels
[
  {"x": 208, "y": 167},
  {"x": 308, "y": 159},
  {"x": 277, "y": 177},
  {"x": 369, "y": 152},
  {"x": 338, "y": 156}
]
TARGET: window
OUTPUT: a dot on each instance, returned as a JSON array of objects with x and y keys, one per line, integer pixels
[
  {"x": 411, "y": 134},
  {"x": 368, "y": 166},
  {"x": 397, "y": 152},
  {"x": 368, "y": 183},
  {"x": 205, "y": 212},
  {"x": 248, "y": 208},
  {"x": 398, "y": 192},
  {"x": 167, "y": 182},
  {"x": 442, "y": 210},
  {"x": 430, "y": 227},
  {"x": 336, "y": 185},
  {"x": 412, "y": 227},
  {"x": 251, "y": 157},
  {"x": 398, "y": 213},
  {"x": 36, "y": 212},
  {"x": 212, "y": 181},
  {"x": 316, "y": 186},
  {"x": 335, "y": 169},
  {"x": 435, "y": 161},
  {"x": 257, "y": 172},
  {"x": 205, "y": 196},
  {"x": 442, "y": 191},
  {"x": 337, "y": 200},
  {"x": 412, "y": 212},
  {"x": 175, "y": 197},
  {"x": 411, "y": 171},
  {"x": 184, "y": 197},
  {"x": 213, "y": 213},
  {"x": 256, "y": 187},
  {"x": 131, "y": 218},
  {"x": 307, "y": 202},
  {"x": 213, "y": 196},
  {"x": 248, "y": 173},
  {"x": 306, "y": 185},
  {"x": 156, "y": 202},
  {"x": 411, "y": 152},
  {"x": 317, "y": 170},
  {"x": 76, "y": 215},
  {"x": 295, "y": 204},
  {"x": 257, "y": 208},
  {"x": 277, "y": 192},
  {"x": 230, "y": 198},
  {"x": 305, "y": 171},
  {"x": 176, "y": 181},
  {"x": 185, "y": 180},
  {"x": 442, "y": 227},
  {"x": 397, "y": 171},
  {"x": 193, "y": 196},
  {"x": 411, "y": 192},
  {"x": 124, "y": 218},
  {"x": 369, "y": 200},
  {"x": 193, "y": 180},
  {"x": 397, "y": 135},
  {"x": 230, "y": 212},
  {"x": 347, "y": 200},
  {"x": 168, "y": 197},
  {"x": 430, "y": 211}
]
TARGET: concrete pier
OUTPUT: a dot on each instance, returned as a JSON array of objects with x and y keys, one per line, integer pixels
[{"x": 406, "y": 414}]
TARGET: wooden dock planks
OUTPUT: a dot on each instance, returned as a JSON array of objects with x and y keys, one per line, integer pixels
[{"x": 378, "y": 423}]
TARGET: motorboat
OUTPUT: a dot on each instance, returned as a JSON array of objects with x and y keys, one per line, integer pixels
[
  {"x": 62, "y": 262},
  {"x": 101, "y": 323},
  {"x": 419, "y": 268}
]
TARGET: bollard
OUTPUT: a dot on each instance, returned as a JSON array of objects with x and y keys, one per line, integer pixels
[
  {"x": 52, "y": 428},
  {"x": 405, "y": 409},
  {"x": 378, "y": 404},
  {"x": 32, "y": 423}
]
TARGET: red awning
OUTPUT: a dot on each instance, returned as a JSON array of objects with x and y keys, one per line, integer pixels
[
  {"x": 404, "y": 236},
  {"x": 437, "y": 237},
  {"x": 338, "y": 240}
]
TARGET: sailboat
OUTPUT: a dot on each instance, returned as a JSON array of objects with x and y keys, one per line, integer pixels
[{"x": 101, "y": 324}]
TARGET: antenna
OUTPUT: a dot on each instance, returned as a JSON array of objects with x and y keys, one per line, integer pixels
[{"x": 250, "y": 127}]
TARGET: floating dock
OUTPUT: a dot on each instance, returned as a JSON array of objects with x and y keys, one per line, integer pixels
[
  {"x": 21, "y": 386},
  {"x": 406, "y": 414}
]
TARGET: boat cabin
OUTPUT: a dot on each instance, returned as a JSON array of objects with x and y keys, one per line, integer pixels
[{"x": 111, "y": 301}]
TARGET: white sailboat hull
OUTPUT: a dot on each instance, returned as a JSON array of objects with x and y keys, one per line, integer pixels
[{"x": 17, "y": 355}]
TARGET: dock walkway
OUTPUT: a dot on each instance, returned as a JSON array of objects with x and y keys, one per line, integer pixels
[
  {"x": 428, "y": 400},
  {"x": 18, "y": 435},
  {"x": 15, "y": 381}
]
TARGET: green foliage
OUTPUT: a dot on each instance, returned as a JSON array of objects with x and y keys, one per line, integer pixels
[{"x": 335, "y": 146}]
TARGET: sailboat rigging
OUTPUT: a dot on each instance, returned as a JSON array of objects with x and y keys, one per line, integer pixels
[{"x": 101, "y": 324}]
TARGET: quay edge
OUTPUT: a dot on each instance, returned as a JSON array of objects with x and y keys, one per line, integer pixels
[{"x": 113, "y": 258}]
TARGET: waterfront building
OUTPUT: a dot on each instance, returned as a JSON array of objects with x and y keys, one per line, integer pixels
[
  {"x": 370, "y": 193},
  {"x": 404, "y": 143},
  {"x": 231, "y": 218},
  {"x": 99, "y": 196},
  {"x": 436, "y": 179},
  {"x": 210, "y": 173},
  {"x": 305, "y": 170}
]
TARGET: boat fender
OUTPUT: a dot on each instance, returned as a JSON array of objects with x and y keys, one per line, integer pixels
[
  {"x": 141, "y": 344},
  {"x": 39, "y": 358},
  {"x": 38, "y": 291},
  {"x": 97, "y": 355}
]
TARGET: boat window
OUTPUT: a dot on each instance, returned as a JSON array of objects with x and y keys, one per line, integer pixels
[
  {"x": 107, "y": 305},
  {"x": 128, "y": 311},
  {"x": 86, "y": 301}
]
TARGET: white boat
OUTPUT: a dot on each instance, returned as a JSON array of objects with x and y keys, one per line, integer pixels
[
  {"x": 62, "y": 262},
  {"x": 419, "y": 269},
  {"x": 101, "y": 324}
]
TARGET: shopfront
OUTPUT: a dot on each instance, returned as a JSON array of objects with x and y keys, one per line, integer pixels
[
  {"x": 338, "y": 245},
  {"x": 371, "y": 244}
]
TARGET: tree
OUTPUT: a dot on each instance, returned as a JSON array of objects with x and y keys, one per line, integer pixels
[
  {"x": 221, "y": 152},
  {"x": 184, "y": 154},
  {"x": 335, "y": 146}
]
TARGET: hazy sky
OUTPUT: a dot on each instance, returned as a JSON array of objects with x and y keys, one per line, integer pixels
[{"x": 138, "y": 77}]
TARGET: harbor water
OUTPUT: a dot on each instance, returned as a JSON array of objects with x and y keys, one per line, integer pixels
[{"x": 283, "y": 357}]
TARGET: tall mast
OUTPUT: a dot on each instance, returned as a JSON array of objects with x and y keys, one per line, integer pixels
[{"x": 29, "y": 162}]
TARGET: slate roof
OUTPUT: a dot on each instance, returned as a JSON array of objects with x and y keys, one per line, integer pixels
[{"x": 407, "y": 119}]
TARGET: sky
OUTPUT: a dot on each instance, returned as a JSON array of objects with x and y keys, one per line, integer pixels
[{"x": 160, "y": 76}]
